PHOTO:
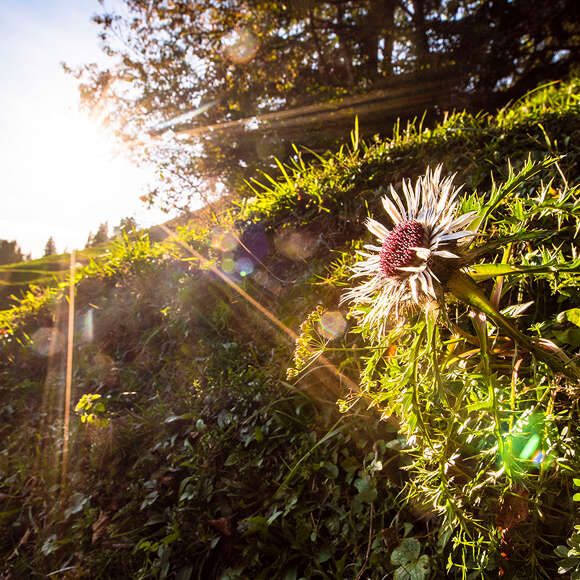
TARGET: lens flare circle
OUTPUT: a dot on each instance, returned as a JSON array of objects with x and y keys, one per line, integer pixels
[
  {"x": 240, "y": 46},
  {"x": 524, "y": 447},
  {"x": 223, "y": 240},
  {"x": 296, "y": 245},
  {"x": 228, "y": 265},
  {"x": 87, "y": 328},
  {"x": 47, "y": 341},
  {"x": 332, "y": 324},
  {"x": 244, "y": 267}
]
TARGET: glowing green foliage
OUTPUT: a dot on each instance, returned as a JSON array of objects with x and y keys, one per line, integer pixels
[
  {"x": 486, "y": 406},
  {"x": 91, "y": 409}
]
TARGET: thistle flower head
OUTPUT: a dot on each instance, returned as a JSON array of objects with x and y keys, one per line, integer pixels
[{"x": 412, "y": 261}]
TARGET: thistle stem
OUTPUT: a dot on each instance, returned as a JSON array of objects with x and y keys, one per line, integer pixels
[{"x": 465, "y": 289}]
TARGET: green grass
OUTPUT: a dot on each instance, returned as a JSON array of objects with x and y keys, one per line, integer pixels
[{"x": 46, "y": 271}]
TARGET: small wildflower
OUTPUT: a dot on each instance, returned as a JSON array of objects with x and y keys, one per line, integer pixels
[{"x": 413, "y": 259}]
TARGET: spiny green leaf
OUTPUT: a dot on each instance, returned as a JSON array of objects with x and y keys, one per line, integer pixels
[{"x": 481, "y": 272}]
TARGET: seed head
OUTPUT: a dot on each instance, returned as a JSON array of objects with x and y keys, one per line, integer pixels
[
  {"x": 397, "y": 248},
  {"x": 411, "y": 263}
]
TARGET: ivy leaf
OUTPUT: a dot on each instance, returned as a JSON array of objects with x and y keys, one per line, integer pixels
[
  {"x": 324, "y": 555},
  {"x": 331, "y": 468},
  {"x": 367, "y": 492},
  {"x": 78, "y": 501},
  {"x": 416, "y": 570},
  {"x": 407, "y": 551},
  {"x": 256, "y": 524}
]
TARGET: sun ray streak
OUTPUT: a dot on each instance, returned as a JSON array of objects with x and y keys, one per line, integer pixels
[
  {"x": 69, "y": 367},
  {"x": 271, "y": 317}
]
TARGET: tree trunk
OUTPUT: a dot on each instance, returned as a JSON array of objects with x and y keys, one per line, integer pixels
[
  {"x": 345, "y": 50},
  {"x": 388, "y": 36},
  {"x": 421, "y": 41}
]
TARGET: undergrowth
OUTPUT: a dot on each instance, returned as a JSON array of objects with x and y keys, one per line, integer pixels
[{"x": 191, "y": 454}]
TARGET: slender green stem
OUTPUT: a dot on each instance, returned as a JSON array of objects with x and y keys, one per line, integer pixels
[
  {"x": 464, "y": 288},
  {"x": 415, "y": 392},
  {"x": 480, "y": 325}
]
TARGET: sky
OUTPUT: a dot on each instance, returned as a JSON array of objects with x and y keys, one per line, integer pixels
[{"x": 59, "y": 175}]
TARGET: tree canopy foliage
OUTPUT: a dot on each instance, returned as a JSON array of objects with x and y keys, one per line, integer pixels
[
  {"x": 214, "y": 88},
  {"x": 100, "y": 237},
  {"x": 10, "y": 252},
  {"x": 127, "y": 225},
  {"x": 50, "y": 247}
]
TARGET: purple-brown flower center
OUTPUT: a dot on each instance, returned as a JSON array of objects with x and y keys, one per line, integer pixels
[{"x": 396, "y": 251}]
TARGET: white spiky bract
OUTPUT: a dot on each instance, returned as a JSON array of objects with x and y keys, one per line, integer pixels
[{"x": 380, "y": 300}]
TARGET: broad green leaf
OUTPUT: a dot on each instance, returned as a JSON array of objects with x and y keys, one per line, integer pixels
[
  {"x": 561, "y": 551},
  {"x": 256, "y": 524},
  {"x": 416, "y": 570},
  {"x": 407, "y": 551},
  {"x": 572, "y": 315},
  {"x": 569, "y": 336},
  {"x": 331, "y": 468},
  {"x": 367, "y": 492},
  {"x": 258, "y": 435}
]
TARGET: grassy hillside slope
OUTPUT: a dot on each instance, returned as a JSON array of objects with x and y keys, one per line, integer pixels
[
  {"x": 203, "y": 445},
  {"x": 49, "y": 270}
]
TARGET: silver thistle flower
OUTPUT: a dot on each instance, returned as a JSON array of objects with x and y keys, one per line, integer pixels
[{"x": 409, "y": 267}]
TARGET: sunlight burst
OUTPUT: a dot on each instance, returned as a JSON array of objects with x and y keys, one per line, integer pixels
[{"x": 74, "y": 176}]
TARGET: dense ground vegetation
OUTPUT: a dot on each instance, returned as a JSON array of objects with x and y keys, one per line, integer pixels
[
  {"x": 206, "y": 440},
  {"x": 17, "y": 276}
]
